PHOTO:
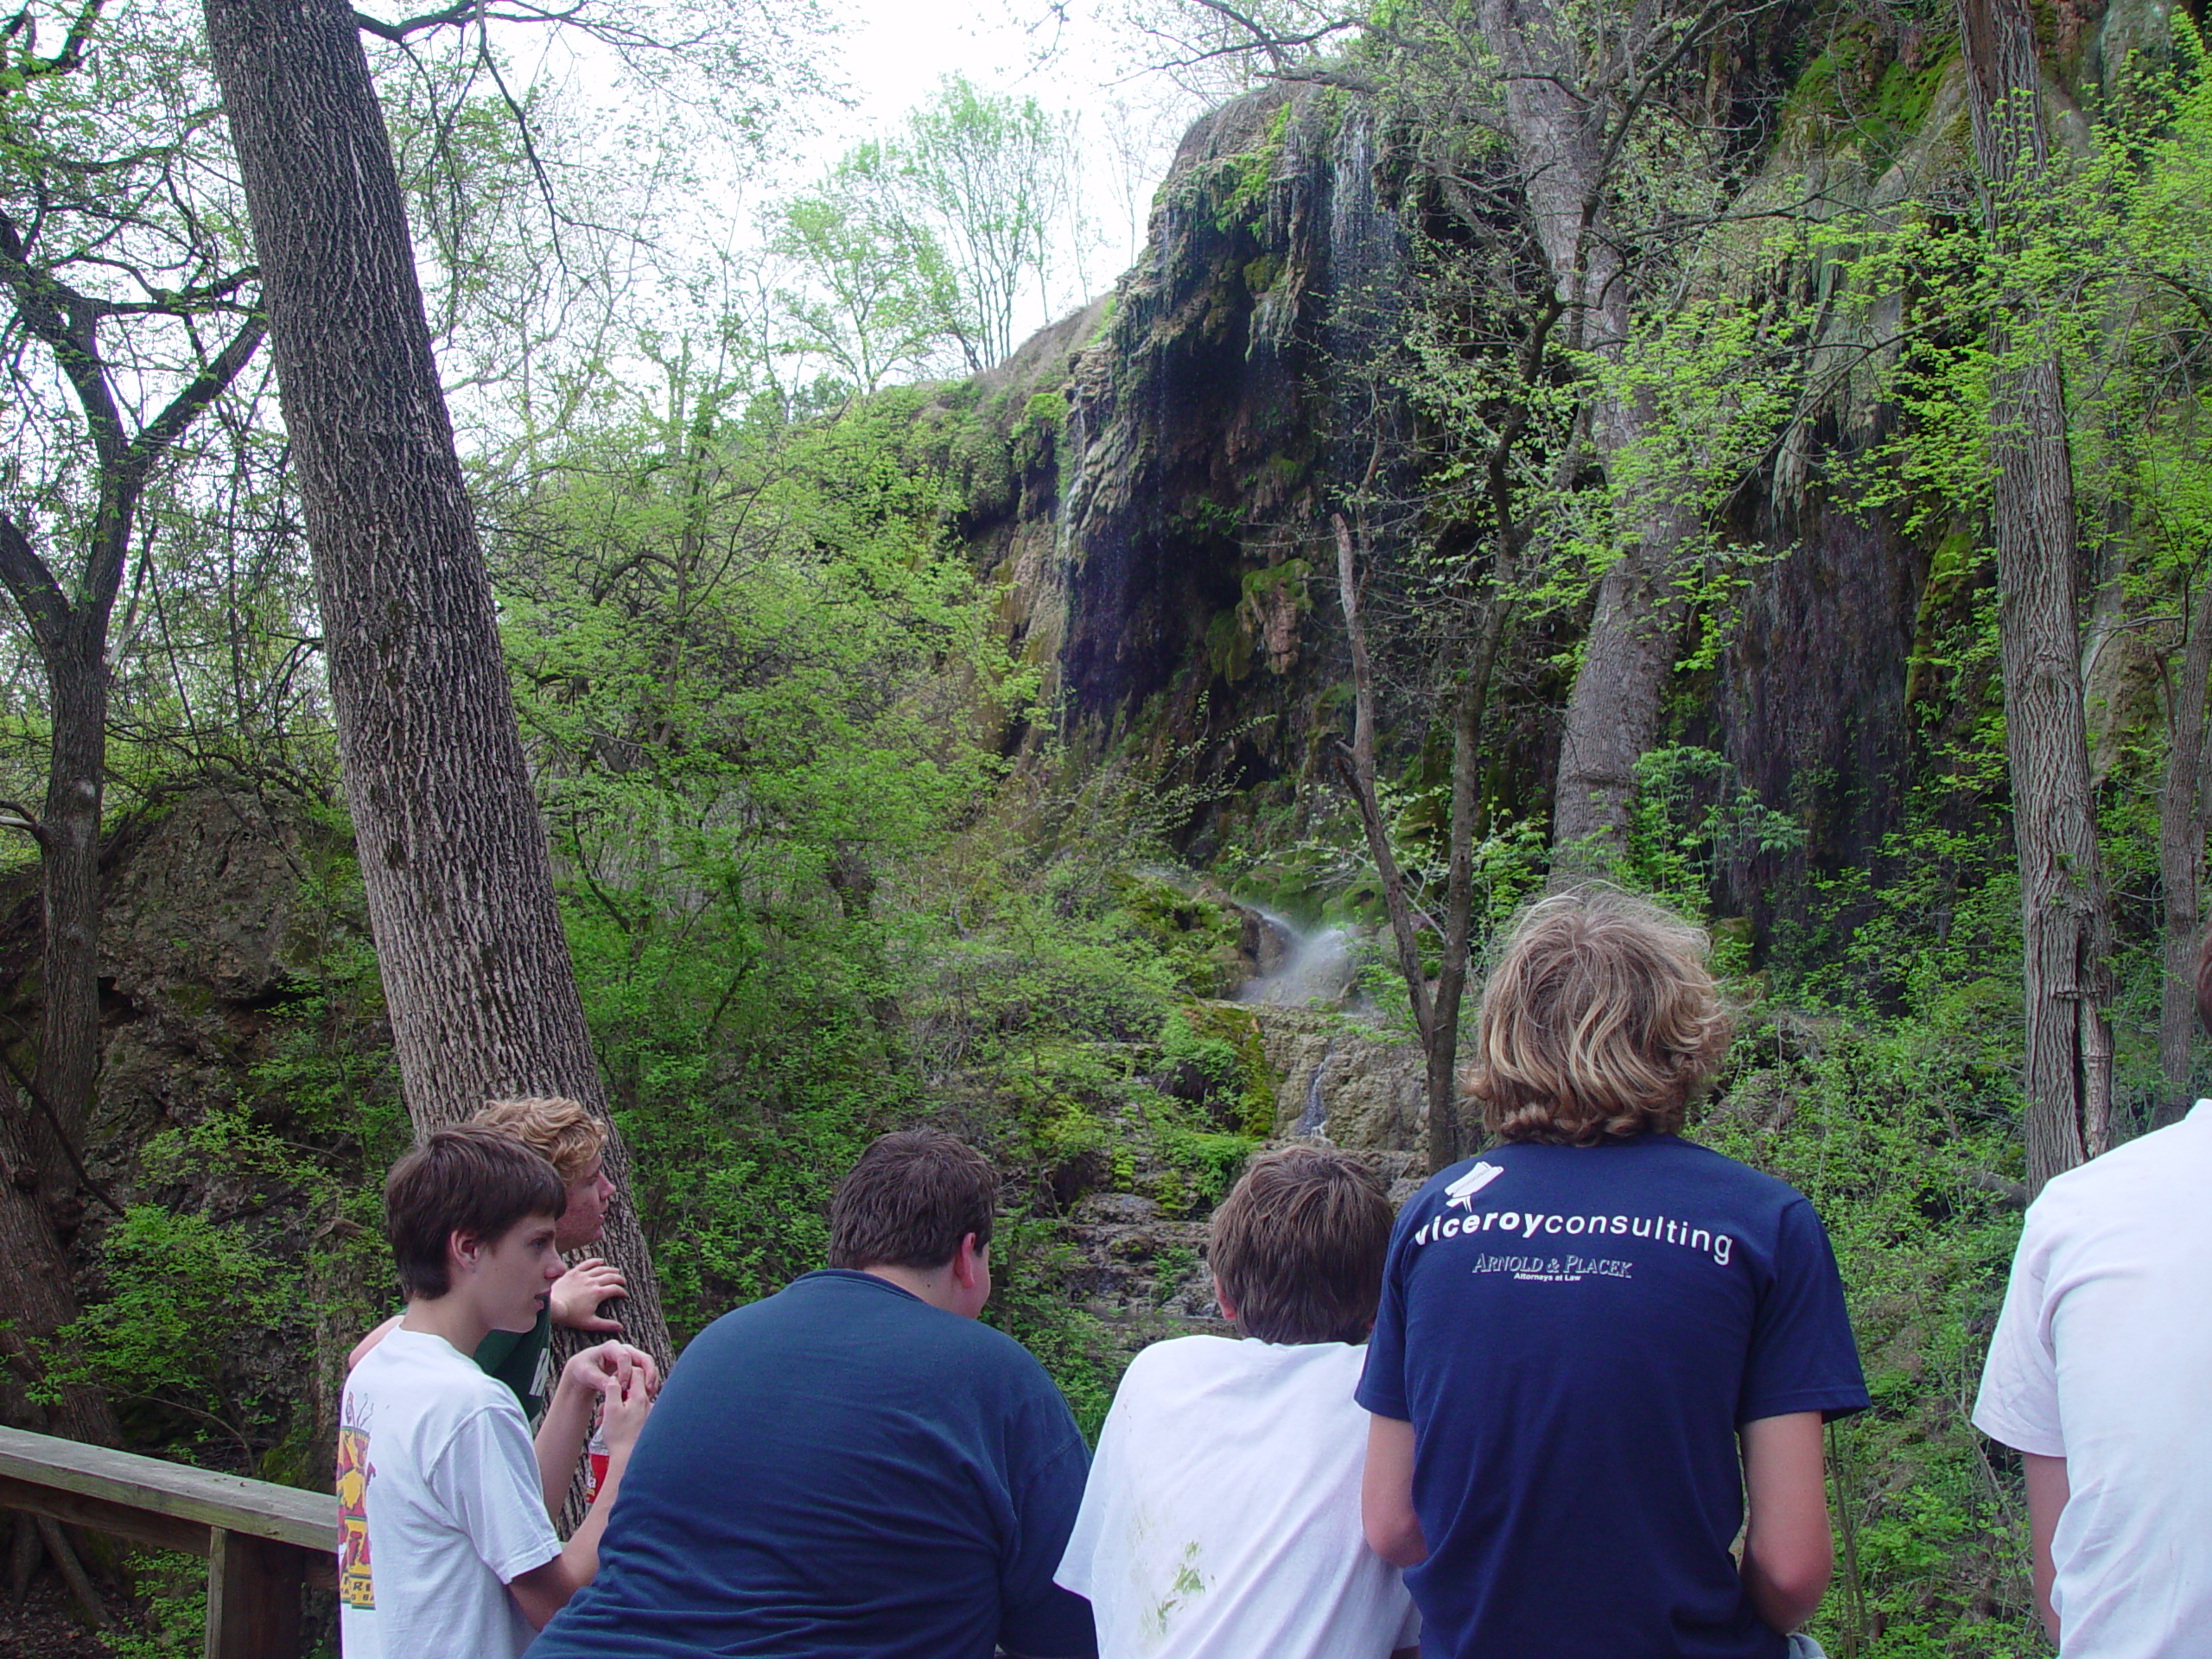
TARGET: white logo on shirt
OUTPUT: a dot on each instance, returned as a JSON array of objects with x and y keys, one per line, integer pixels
[{"x": 1462, "y": 1191}]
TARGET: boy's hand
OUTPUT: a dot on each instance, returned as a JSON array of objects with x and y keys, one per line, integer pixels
[
  {"x": 612, "y": 1368},
  {"x": 578, "y": 1292},
  {"x": 622, "y": 1413}
]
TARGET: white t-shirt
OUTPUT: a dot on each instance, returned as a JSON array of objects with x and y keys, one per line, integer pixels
[
  {"x": 1221, "y": 1515},
  {"x": 2103, "y": 1357},
  {"x": 439, "y": 1506}
]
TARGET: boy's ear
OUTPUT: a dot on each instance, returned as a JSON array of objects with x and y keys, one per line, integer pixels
[
  {"x": 968, "y": 1260},
  {"x": 463, "y": 1251},
  {"x": 1221, "y": 1301}
]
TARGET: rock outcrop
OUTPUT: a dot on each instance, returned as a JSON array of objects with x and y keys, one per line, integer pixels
[
  {"x": 1149, "y": 484},
  {"x": 1359, "y": 1090}
]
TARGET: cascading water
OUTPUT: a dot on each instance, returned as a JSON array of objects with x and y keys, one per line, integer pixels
[
  {"x": 1315, "y": 1117},
  {"x": 1312, "y": 966}
]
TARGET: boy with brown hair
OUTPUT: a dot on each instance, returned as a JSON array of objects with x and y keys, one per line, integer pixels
[
  {"x": 1594, "y": 1338},
  {"x": 1222, "y": 1515},
  {"x": 448, "y": 1546},
  {"x": 571, "y": 1139}
]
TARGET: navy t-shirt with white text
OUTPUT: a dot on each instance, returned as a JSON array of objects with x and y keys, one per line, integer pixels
[
  {"x": 842, "y": 1471},
  {"x": 1576, "y": 1335}
]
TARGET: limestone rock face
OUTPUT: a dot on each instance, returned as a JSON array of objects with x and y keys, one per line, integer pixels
[
  {"x": 1149, "y": 485},
  {"x": 1144, "y": 1272},
  {"x": 1361, "y": 1092}
]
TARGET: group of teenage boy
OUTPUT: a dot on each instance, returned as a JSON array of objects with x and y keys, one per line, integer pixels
[{"x": 1568, "y": 1401}]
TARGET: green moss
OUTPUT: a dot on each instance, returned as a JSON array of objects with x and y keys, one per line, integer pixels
[
  {"x": 1105, "y": 318},
  {"x": 1902, "y": 97},
  {"x": 1235, "y": 187},
  {"x": 1045, "y": 409},
  {"x": 1261, "y": 274},
  {"x": 1276, "y": 582},
  {"x": 1856, "y": 95},
  {"x": 1225, "y": 1041},
  {"x": 1229, "y": 645},
  {"x": 1197, "y": 937}
]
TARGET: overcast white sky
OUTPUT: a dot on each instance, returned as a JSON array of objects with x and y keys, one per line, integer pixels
[
  {"x": 889, "y": 53},
  {"x": 887, "y": 56}
]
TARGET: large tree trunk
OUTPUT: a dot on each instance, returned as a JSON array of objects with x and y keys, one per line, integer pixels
[
  {"x": 453, "y": 852},
  {"x": 1557, "y": 104},
  {"x": 2181, "y": 857},
  {"x": 1612, "y": 712},
  {"x": 69, "y": 824},
  {"x": 2064, "y": 917}
]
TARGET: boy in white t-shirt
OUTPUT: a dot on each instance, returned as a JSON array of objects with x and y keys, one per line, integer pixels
[
  {"x": 2099, "y": 1373},
  {"x": 446, "y": 1547},
  {"x": 1221, "y": 1518}
]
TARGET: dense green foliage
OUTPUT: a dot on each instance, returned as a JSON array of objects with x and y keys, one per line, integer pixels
[{"x": 830, "y": 859}]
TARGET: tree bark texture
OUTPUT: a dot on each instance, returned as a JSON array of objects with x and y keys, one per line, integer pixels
[
  {"x": 2181, "y": 857},
  {"x": 40, "y": 1302},
  {"x": 1435, "y": 1007},
  {"x": 453, "y": 852},
  {"x": 1556, "y": 109},
  {"x": 2065, "y": 923},
  {"x": 69, "y": 1017},
  {"x": 1613, "y": 711}
]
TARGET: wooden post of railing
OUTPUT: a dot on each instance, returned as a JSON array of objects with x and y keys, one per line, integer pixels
[{"x": 260, "y": 1540}]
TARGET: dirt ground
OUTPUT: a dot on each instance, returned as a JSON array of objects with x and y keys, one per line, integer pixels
[{"x": 46, "y": 1624}]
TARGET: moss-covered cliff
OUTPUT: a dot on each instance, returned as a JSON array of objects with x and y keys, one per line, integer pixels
[{"x": 1149, "y": 483}]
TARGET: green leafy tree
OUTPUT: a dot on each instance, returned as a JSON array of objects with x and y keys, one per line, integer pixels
[
  {"x": 128, "y": 311},
  {"x": 749, "y": 679},
  {"x": 873, "y": 298},
  {"x": 986, "y": 176}
]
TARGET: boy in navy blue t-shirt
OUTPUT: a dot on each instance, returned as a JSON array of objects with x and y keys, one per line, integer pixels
[{"x": 1587, "y": 1333}]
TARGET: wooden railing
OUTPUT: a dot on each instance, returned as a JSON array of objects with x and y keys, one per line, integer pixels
[{"x": 260, "y": 1540}]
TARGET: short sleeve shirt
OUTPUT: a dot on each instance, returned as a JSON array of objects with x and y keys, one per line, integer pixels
[
  {"x": 844, "y": 1471},
  {"x": 439, "y": 1507},
  {"x": 1576, "y": 1335},
  {"x": 1222, "y": 1516},
  {"x": 2103, "y": 1357}
]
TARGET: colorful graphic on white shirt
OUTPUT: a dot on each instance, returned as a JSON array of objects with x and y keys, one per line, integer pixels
[
  {"x": 449, "y": 1511},
  {"x": 356, "y": 1585}
]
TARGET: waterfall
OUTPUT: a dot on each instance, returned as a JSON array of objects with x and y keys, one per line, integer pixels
[
  {"x": 1315, "y": 1116},
  {"x": 1311, "y": 966}
]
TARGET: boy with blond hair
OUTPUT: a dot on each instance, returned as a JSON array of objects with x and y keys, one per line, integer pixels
[
  {"x": 1595, "y": 1338},
  {"x": 1222, "y": 1515}
]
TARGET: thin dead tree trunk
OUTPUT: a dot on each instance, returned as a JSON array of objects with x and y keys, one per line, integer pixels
[
  {"x": 1435, "y": 1005},
  {"x": 453, "y": 851},
  {"x": 2064, "y": 920},
  {"x": 2181, "y": 855}
]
